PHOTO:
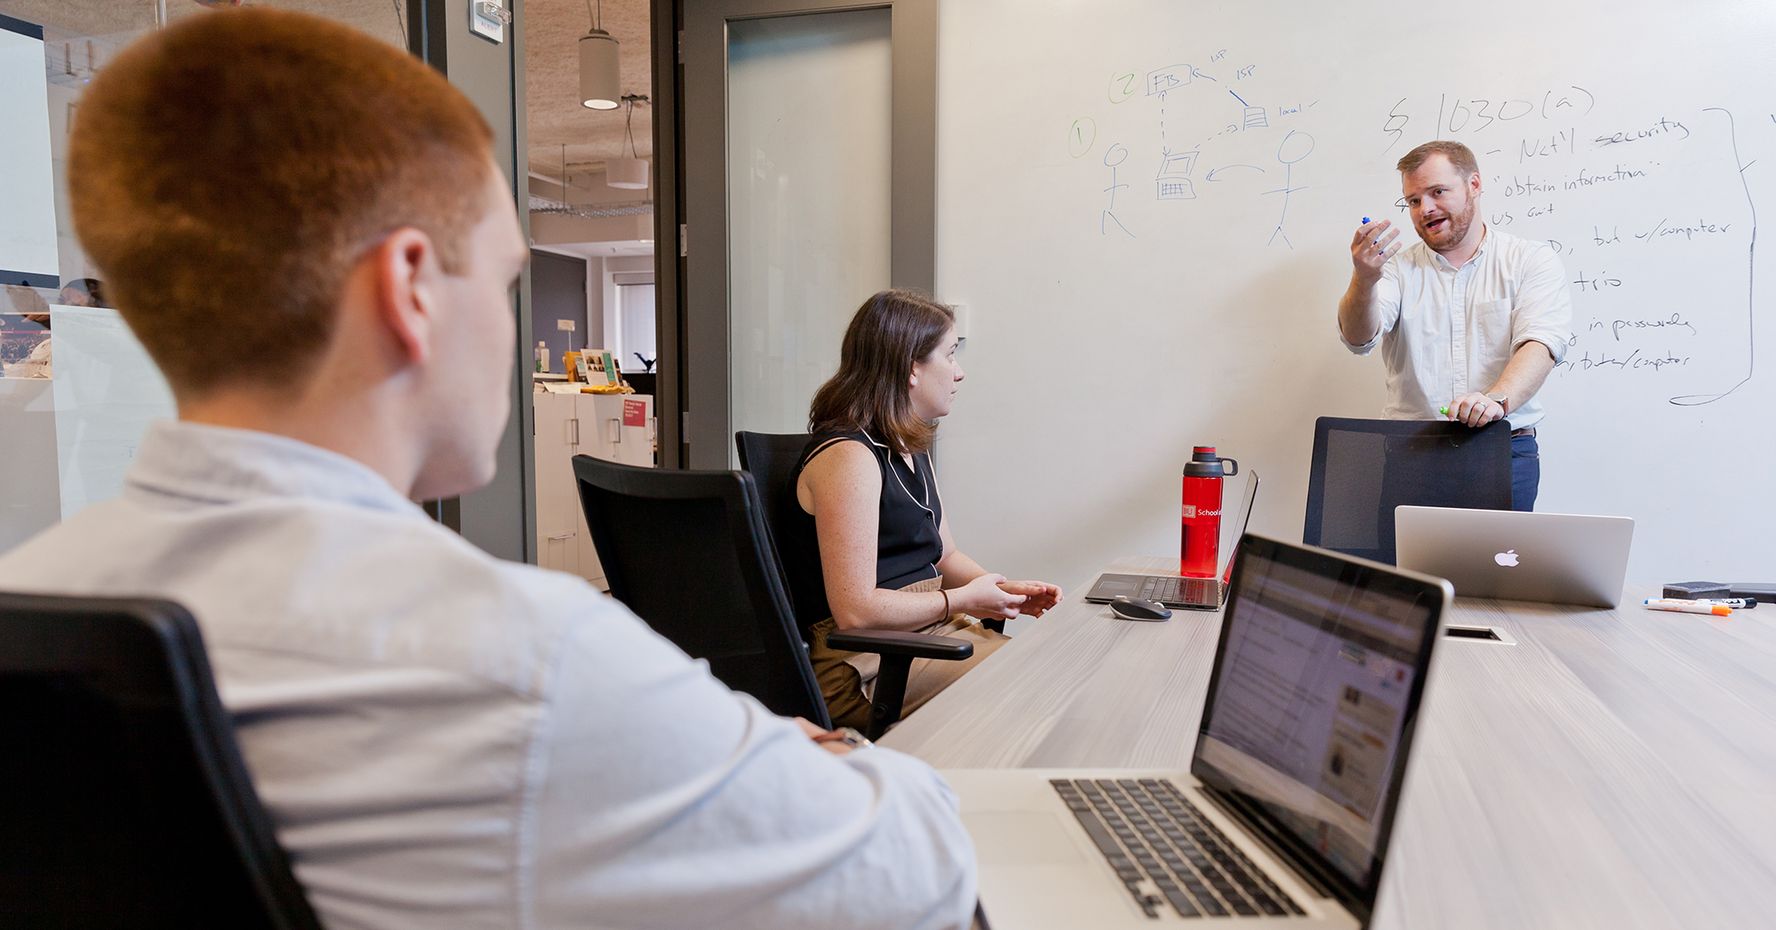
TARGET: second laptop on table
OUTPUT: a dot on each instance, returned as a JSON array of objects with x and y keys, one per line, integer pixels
[
  {"x": 1186, "y": 593},
  {"x": 1556, "y": 558}
]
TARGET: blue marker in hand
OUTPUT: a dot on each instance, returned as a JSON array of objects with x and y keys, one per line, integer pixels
[{"x": 1365, "y": 221}]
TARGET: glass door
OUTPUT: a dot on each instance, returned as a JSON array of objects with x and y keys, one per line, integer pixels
[{"x": 809, "y": 171}]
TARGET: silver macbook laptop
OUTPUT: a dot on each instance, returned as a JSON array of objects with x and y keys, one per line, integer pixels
[
  {"x": 1285, "y": 814},
  {"x": 1178, "y": 592},
  {"x": 1559, "y": 558}
]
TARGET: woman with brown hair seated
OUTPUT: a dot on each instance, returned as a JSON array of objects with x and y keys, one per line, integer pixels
[{"x": 871, "y": 521}]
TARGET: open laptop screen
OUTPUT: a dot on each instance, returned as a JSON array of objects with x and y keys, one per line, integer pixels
[
  {"x": 1232, "y": 530},
  {"x": 1309, "y": 715}
]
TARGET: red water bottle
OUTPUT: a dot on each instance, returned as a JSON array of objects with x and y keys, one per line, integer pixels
[{"x": 1201, "y": 535}]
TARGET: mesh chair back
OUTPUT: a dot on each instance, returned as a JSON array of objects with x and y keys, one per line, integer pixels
[
  {"x": 125, "y": 801},
  {"x": 688, "y": 551},
  {"x": 1363, "y": 469}
]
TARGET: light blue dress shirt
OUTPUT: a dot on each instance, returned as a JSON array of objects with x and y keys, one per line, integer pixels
[
  {"x": 445, "y": 739},
  {"x": 1448, "y": 331}
]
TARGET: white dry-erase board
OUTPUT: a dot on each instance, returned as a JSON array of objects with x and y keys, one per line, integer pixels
[
  {"x": 28, "y": 253},
  {"x": 1167, "y": 191}
]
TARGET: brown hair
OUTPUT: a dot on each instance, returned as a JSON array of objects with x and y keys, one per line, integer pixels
[
  {"x": 1460, "y": 157},
  {"x": 892, "y": 330},
  {"x": 228, "y": 172}
]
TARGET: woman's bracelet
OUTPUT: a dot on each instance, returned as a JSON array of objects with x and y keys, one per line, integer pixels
[{"x": 946, "y": 613}]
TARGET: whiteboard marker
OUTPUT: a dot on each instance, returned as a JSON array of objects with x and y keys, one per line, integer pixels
[
  {"x": 1678, "y": 605},
  {"x": 1365, "y": 221}
]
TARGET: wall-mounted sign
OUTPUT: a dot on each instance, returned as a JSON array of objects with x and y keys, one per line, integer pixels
[{"x": 488, "y": 19}]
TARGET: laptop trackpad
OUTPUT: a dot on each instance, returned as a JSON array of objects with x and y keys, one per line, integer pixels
[{"x": 1021, "y": 838}]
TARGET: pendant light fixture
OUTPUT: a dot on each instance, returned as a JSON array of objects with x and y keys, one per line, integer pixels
[
  {"x": 631, "y": 171},
  {"x": 600, "y": 80}
]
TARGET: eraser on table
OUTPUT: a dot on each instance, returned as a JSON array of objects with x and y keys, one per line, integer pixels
[{"x": 1695, "y": 589}]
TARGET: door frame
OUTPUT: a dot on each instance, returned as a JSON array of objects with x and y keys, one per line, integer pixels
[{"x": 501, "y": 516}]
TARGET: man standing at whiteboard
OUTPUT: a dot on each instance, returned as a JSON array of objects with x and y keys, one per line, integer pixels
[{"x": 1470, "y": 319}]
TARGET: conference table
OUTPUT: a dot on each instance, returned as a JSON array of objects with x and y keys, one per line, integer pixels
[{"x": 1608, "y": 768}]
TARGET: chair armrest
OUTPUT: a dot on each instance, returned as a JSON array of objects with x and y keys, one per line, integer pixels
[
  {"x": 896, "y": 643},
  {"x": 898, "y": 650}
]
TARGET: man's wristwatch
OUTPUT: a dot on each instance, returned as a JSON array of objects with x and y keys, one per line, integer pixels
[
  {"x": 1503, "y": 400},
  {"x": 850, "y": 736}
]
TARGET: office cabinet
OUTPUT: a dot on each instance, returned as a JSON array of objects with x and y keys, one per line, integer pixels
[{"x": 614, "y": 427}]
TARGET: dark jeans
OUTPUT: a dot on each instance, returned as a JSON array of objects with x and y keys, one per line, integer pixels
[{"x": 1526, "y": 472}]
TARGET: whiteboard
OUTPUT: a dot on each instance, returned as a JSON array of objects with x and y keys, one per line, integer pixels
[
  {"x": 28, "y": 248},
  {"x": 1147, "y": 207}
]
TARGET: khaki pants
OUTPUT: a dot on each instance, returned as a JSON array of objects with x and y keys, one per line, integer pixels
[{"x": 848, "y": 679}]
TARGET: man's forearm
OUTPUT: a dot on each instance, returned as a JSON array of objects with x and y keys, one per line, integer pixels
[
  {"x": 1524, "y": 374},
  {"x": 1357, "y": 321}
]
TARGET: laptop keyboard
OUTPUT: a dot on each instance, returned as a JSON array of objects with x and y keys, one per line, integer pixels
[
  {"x": 1169, "y": 590},
  {"x": 1166, "y": 851}
]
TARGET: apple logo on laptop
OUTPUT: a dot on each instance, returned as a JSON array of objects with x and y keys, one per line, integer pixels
[{"x": 1507, "y": 558}]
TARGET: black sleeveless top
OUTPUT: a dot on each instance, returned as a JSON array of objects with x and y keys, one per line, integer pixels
[{"x": 908, "y": 545}]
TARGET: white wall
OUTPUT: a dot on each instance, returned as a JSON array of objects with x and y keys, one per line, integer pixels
[{"x": 594, "y": 326}]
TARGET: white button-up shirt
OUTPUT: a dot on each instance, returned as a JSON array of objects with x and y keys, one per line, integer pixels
[
  {"x": 1447, "y": 331},
  {"x": 445, "y": 739}
]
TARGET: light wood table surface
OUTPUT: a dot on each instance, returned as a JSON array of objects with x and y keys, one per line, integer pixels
[{"x": 1613, "y": 769}]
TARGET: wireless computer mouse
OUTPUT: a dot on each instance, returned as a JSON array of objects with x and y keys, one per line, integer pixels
[{"x": 1134, "y": 608}]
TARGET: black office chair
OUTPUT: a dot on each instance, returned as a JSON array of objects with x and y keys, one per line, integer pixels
[
  {"x": 688, "y": 551},
  {"x": 123, "y": 798},
  {"x": 1363, "y": 469},
  {"x": 772, "y": 459}
]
